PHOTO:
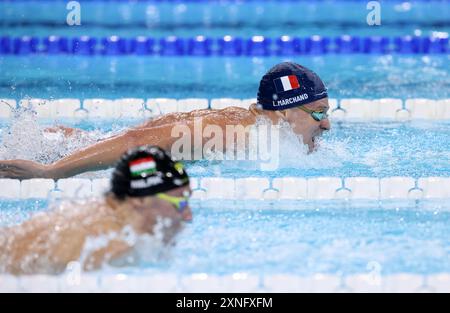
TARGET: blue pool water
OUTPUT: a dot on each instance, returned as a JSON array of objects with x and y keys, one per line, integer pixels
[
  {"x": 261, "y": 237},
  {"x": 376, "y": 149},
  {"x": 346, "y": 76},
  {"x": 219, "y": 18},
  {"x": 302, "y": 238}
]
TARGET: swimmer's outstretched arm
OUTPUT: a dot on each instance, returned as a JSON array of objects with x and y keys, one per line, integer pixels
[
  {"x": 100, "y": 155},
  {"x": 67, "y": 131},
  {"x": 107, "y": 152}
]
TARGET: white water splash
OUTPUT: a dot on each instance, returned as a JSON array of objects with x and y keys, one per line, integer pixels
[
  {"x": 291, "y": 153},
  {"x": 379, "y": 158},
  {"x": 26, "y": 139},
  {"x": 144, "y": 248},
  {"x": 330, "y": 152}
]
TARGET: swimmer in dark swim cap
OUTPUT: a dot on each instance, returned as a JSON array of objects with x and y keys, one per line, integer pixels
[
  {"x": 147, "y": 189},
  {"x": 288, "y": 93},
  {"x": 298, "y": 96}
]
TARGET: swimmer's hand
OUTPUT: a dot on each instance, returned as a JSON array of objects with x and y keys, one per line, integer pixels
[
  {"x": 66, "y": 131},
  {"x": 23, "y": 169}
]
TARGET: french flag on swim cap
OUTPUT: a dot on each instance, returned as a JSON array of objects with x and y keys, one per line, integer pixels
[{"x": 286, "y": 83}]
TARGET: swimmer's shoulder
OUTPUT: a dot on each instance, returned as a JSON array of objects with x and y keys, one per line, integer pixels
[
  {"x": 208, "y": 114},
  {"x": 233, "y": 113}
]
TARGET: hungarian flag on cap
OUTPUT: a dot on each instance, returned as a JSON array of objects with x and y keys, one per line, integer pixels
[
  {"x": 141, "y": 166},
  {"x": 286, "y": 83}
]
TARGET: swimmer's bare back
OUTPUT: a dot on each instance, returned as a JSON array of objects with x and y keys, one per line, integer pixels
[
  {"x": 106, "y": 152},
  {"x": 47, "y": 242}
]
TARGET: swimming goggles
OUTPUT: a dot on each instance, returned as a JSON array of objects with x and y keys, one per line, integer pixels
[
  {"x": 316, "y": 115},
  {"x": 180, "y": 203}
]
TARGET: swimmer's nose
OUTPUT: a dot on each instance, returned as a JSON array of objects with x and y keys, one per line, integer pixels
[{"x": 325, "y": 124}]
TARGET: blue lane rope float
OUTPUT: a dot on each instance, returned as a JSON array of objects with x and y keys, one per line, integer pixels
[{"x": 225, "y": 46}]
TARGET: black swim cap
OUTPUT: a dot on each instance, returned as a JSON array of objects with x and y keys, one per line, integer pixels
[
  {"x": 145, "y": 171},
  {"x": 288, "y": 85}
]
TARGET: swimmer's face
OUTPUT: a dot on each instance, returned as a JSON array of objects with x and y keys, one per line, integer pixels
[
  {"x": 152, "y": 208},
  {"x": 185, "y": 191},
  {"x": 304, "y": 124},
  {"x": 157, "y": 207}
]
